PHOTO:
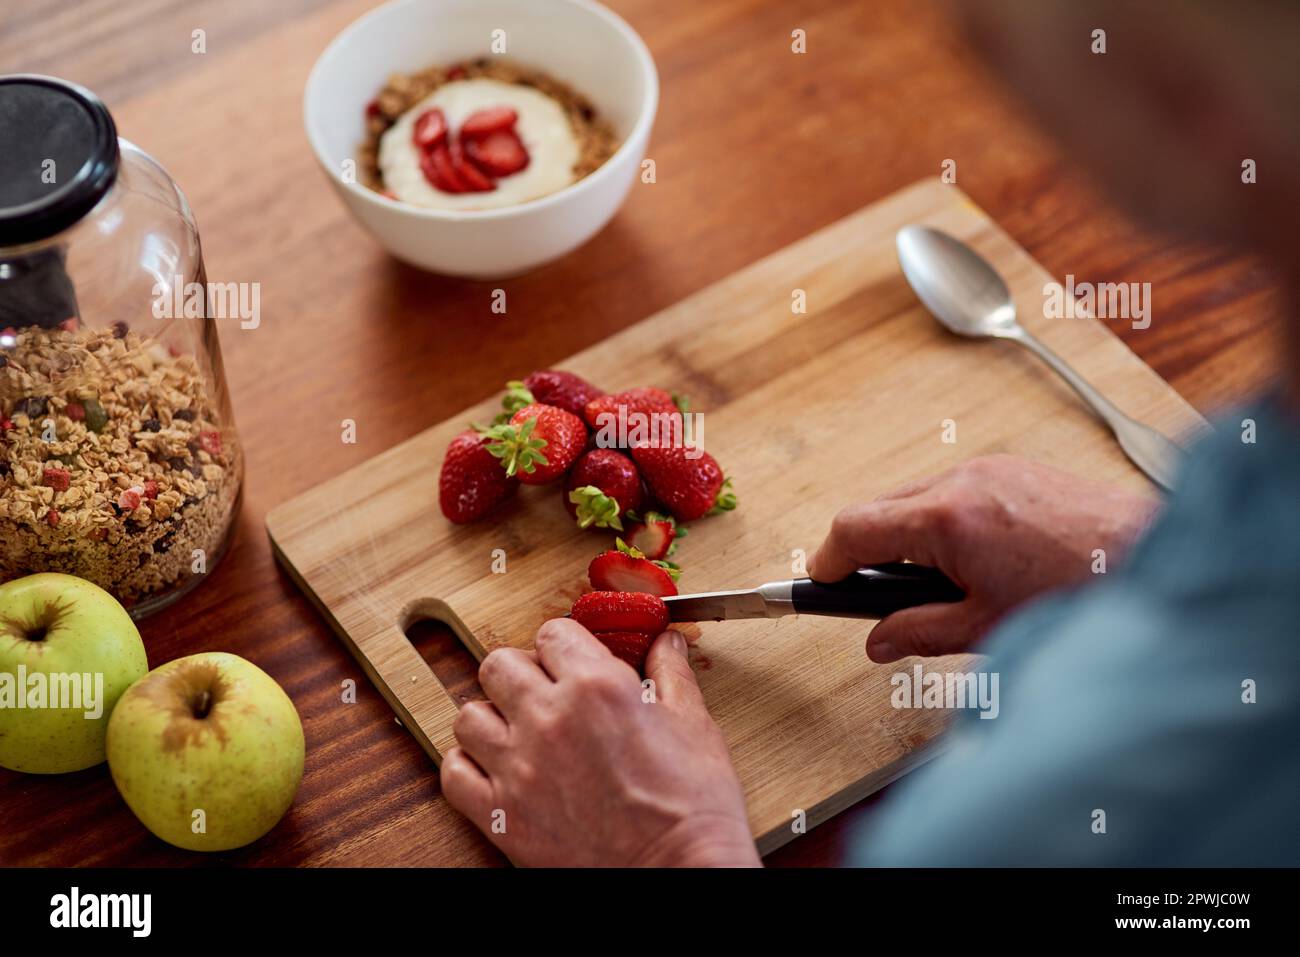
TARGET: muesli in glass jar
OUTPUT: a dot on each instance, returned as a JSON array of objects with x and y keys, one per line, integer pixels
[{"x": 119, "y": 462}]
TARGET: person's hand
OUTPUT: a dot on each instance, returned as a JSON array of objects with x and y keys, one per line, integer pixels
[
  {"x": 572, "y": 763},
  {"x": 1003, "y": 528}
]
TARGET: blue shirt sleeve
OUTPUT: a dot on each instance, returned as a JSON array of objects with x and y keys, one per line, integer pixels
[{"x": 1152, "y": 718}]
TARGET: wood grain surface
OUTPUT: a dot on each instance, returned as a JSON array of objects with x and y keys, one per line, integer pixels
[{"x": 755, "y": 147}]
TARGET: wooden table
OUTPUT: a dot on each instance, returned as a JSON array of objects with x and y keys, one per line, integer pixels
[{"x": 755, "y": 147}]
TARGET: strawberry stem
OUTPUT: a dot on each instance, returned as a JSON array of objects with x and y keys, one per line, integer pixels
[
  {"x": 726, "y": 500},
  {"x": 596, "y": 508},
  {"x": 516, "y": 447}
]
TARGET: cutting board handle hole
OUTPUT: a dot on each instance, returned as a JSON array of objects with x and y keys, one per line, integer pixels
[{"x": 448, "y": 659}]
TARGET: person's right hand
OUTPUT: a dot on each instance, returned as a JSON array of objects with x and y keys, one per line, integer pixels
[{"x": 1003, "y": 528}]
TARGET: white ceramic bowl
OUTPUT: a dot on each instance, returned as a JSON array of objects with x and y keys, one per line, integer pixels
[{"x": 576, "y": 41}]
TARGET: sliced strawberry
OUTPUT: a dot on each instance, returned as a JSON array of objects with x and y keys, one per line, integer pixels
[
  {"x": 468, "y": 173},
  {"x": 630, "y": 571},
  {"x": 498, "y": 154},
  {"x": 620, "y": 611},
  {"x": 487, "y": 121},
  {"x": 653, "y": 537},
  {"x": 430, "y": 129},
  {"x": 471, "y": 482},
  {"x": 437, "y": 169},
  {"x": 630, "y": 646}
]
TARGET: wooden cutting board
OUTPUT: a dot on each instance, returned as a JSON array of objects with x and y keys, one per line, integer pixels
[{"x": 807, "y": 411}]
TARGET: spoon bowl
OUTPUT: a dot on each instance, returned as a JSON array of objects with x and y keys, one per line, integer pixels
[{"x": 956, "y": 283}]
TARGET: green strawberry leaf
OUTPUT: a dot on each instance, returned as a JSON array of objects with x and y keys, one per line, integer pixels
[
  {"x": 726, "y": 500},
  {"x": 595, "y": 508},
  {"x": 516, "y": 447}
]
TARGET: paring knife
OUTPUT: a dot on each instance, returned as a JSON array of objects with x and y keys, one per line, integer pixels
[{"x": 872, "y": 592}]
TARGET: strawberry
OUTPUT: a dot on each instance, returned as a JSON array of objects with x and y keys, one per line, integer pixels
[
  {"x": 52, "y": 518},
  {"x": 620, "y": 611},
  {"x": 602, "y": 486},
  {"x": 628, "y": 570},
  {"x": 560, "y": 388},
  {"x": 150, "y": 489},
  {"x": 438, "y": 170},
  {"x": 690, "y": 487},
  {"x": 498, "y": 154},
  {"x": 645, "y": 401},
  {"x": 655, "y": 536},
  {"x": 483, "y": 122},
  {"x": 129, "y": 499},
  {"x": 430, "y": 129},
  {"x": 468, "y": 173},
  {"x": 539, "y": 443},
  {"x": 472, "y": 482},
  {"x": 210, "y": 442},
  {"x": 630, "y": 646},
  {"x": 57, "y": 479}
]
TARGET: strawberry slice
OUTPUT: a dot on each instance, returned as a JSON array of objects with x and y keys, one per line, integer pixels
[
  {"x": 438, "y": 170},
  {"x": 468, "y": 173},
  {"x": 630, "y": 646},
  {"x": 430, "y": 129},
  {"x": 487, "y": 121},
  {"x": 628, "y": 570},
  {"x": 654, "y": 537},
  {"x": 620, "y": 611},
  {"x": 498, "y": 154}
]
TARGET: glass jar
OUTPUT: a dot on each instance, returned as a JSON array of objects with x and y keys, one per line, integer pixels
[{"x": 119, "y": 461}]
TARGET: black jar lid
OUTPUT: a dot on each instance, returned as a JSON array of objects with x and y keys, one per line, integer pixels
[{"x": 44, "y": 119}]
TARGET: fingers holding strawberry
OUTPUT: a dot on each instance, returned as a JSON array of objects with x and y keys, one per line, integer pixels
[{"x": 627, "y": 623}]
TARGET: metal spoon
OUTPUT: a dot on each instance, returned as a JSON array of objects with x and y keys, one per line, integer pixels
[{"x": 967, "y": 295}]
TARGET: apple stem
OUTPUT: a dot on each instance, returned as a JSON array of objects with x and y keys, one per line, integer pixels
[{"x": 202, "y": 705}]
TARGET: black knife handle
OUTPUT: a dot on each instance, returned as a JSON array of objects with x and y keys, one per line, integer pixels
[{"x": 874, "y": 592}]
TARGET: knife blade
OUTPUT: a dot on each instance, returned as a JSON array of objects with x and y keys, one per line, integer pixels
[{"x": 871, "y": 593}]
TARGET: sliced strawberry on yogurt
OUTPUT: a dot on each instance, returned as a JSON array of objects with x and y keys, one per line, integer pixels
[
  {"x": 468, "y": 173},
  {"x": 497, "y": 154},
  {"x": 437, "y": 168},
  {"x": 430, "y": 129},
  {"x": 483, "y": 122}
]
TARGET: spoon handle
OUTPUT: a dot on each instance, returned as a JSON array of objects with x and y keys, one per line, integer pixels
[{"x": 1149, "y": 450}]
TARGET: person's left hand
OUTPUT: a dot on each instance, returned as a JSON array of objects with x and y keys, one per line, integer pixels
[{"x": 574, "y": 763}]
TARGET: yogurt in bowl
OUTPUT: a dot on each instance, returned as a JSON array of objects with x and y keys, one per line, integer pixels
[
  {"x": 577, "y": 44},
  {"x": 543, "y": 126}
]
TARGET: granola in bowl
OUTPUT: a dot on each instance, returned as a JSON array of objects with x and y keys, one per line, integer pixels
[
  {"x": 115, "y": 464},
  {"x": 480, "y": 135}
]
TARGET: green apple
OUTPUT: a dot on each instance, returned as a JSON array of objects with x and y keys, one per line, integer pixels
[
  {"x": 207, "y": 751},
  {"x": 68, "y": 651}
]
